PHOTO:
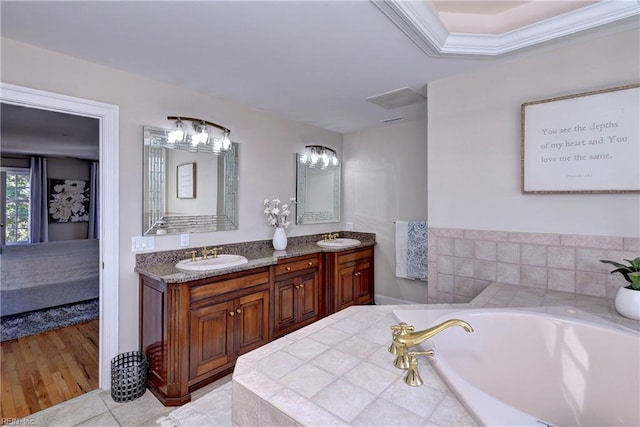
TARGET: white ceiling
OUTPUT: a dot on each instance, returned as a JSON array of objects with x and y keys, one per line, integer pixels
[{"x": 311, "y": 61}]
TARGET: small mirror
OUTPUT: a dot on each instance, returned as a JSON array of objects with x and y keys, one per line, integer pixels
[
  {"x": 317, "y": 193},
  {"x": 188, "y": 189}
]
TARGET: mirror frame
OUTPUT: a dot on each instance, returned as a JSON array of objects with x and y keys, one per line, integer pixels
[
  {"x": 303, "y": 216},
  {"x": 226, "y": 219}
]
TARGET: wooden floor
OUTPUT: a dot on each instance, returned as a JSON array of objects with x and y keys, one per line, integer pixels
[{"x": 40, "y": 371}]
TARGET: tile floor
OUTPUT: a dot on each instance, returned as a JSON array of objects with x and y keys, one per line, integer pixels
[{"x": 96, "y": 408}]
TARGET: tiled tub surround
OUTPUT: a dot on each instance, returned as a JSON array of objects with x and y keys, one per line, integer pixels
[
  {"x": 339, "y": 372},
  {"x": 462, "y": 263},
  {"x": 260, "y": 253}
]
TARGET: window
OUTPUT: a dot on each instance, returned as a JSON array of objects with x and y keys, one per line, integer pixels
[{"x": 16, "y": 206}]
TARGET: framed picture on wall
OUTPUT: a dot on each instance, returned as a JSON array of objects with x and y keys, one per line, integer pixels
[
  {"x": 583, "y": 143},
  {"x": 68, "y": 200},
  {"x": 186, "y": 181}
]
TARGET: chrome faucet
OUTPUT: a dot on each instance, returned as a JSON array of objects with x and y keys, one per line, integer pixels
[{"x": 404, "y": 338}]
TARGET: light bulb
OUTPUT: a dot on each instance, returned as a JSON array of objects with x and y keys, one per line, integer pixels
[
  {"x": 334, "y": 160},
  {"x": 202, "y": 135},
  {"x": 325, "y": 160},
  {"x": 177, "y": 134},
  {"x": 226, "y": 141},
  {"x": 304, "y": 158},
  {"x": 314, "y": 158}
]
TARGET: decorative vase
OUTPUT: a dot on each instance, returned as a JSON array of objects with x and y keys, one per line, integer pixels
[
  {"x": 628, "y": 303},
  {"x": 279, "y": 239}
]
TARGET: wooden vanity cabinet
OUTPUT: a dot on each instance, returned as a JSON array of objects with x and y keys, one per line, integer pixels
[
  {"x": 297, "y": 293},
  {"x": 349, "y": 278},
  {"x": 193, "y": 332}
]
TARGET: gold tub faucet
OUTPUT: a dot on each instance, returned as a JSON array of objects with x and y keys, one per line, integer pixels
[{"x": 405, "y": 338}]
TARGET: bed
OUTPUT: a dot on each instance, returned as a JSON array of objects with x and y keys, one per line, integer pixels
[{"x": 43, "y": 275}]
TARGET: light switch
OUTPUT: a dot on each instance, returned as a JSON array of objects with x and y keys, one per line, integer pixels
[
  {"x": 142, "y": 243},
  {"x": 184, "y": 240}
]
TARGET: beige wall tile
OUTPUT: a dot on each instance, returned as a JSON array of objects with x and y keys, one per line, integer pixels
[
  {"x": 534, "y": 276},
  {"x": 594, "y": 284},
  {"x": 535, "y": 238},
  {"x": 445, "y": 264},
  {"x": 601, "y": 242},
  {"x": 508, "y": 252},
  {"x": 534, "y": 255},
  {"x": 508, "y": 273},
  {"x": 486, "y": 250},
  {"x": 561, "y": 257},
  {"x": 464, "y": 248},
  {"x": 485, "y": 270},
  {"x": 561, "y": 280}
]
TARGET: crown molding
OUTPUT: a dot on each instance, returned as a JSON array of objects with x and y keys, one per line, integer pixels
[{"x": 423, "y": 26}]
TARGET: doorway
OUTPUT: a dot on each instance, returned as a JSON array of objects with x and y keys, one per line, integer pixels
[{"x": 107, "y": 115}]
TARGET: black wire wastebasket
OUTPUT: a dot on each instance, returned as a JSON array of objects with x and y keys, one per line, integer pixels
[{"x": 129, "y": 376}]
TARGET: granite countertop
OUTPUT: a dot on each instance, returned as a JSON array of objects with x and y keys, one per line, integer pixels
[
  {"x": 338, "y": 371},
  {"x": 161, "y": 265}
]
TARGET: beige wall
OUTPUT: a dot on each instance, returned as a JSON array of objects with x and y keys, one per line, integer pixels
[
  {"x": 474, "y": 142},
  {"x": 385, "y": 178},
  {"x": 266, "y": 162}
]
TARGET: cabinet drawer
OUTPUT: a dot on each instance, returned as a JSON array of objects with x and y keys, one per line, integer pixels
[
  {"x": 297, "y": 264},
  {"x": 355, "y": 255},
  {"x": 207, "y": 290}
]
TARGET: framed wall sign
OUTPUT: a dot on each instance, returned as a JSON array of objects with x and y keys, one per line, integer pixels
[
  {"x": 186, "y": 181},
  {"x": 583, "y": 143}
]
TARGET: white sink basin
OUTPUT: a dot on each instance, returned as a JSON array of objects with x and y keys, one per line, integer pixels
[
  {"x": 338, "y": 243},
  {"x": 222, "y": 261}
]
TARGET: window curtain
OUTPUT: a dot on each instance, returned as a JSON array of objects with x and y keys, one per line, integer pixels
[
  {"x": 38, "y": 214},
  {"x": 94, "y": 201}
]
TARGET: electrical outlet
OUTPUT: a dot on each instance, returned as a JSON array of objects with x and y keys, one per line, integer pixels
[
  {"x": 184, "y": 240},
  {"x": 349, "y": 226},
  {"x": 142, "y": 243}
]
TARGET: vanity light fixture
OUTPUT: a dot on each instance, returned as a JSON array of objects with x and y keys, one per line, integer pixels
[
  {"x": 319, "y": 156},
  {"x": 200, "y": 135}
]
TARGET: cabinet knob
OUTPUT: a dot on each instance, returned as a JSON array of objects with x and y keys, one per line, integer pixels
[
  {"x": 232, "y": 313},
  {"x": 310, "y": 263},
  {"x": 288, "y": 268},
  {"x": 301, "y": 286},
  {"x": 238, "y": 310}
]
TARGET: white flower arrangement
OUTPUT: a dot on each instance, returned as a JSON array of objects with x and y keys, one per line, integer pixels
[{"x": 278, "y": 213}]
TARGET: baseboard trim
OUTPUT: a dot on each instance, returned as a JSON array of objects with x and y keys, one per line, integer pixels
[{"x": 384, "y": 300}]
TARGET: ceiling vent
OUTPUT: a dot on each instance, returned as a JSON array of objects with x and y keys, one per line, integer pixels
[{"x": 397, "y": 98}]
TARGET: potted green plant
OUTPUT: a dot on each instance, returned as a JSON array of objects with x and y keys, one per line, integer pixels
[{"x": 627, "y": 300}]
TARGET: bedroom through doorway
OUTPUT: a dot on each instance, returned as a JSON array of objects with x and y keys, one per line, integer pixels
[{"x": 50, "y": 259}]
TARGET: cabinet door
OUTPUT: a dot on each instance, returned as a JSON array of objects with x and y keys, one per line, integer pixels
[
  {"x": 284, "y": 310},
  {"x": 363, "y": 280},
  {"x": 252, "y": 321},
  {"x": 308, "y": 294},
  {"x": 211, "y": 344},
  {"x": 345, "y": 293}
]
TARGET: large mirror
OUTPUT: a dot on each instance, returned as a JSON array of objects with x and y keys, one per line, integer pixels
[
  {"x": 317, "y": 193},
  {"x": 188, "y": 189}
]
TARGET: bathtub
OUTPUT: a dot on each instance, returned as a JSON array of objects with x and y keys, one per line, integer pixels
[{"x": 527, "y": 368}]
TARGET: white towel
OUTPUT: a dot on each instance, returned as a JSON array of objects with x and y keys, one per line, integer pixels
[
  {"x": 411, "y": 249},
  {"x": 402, "y": 240}
]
